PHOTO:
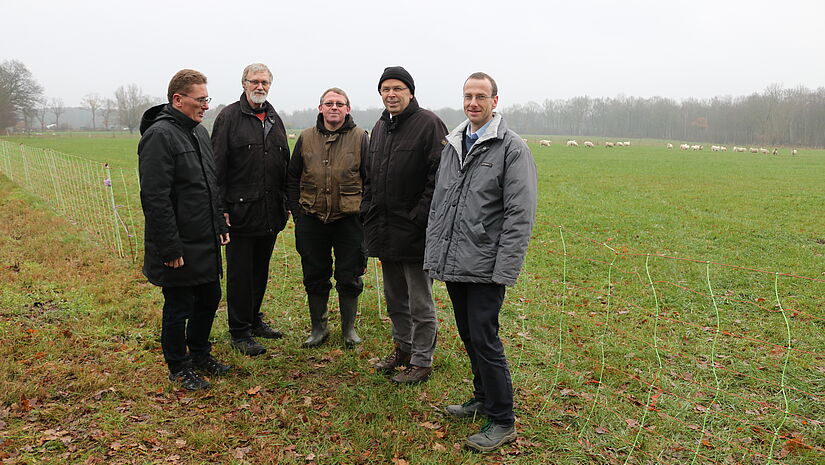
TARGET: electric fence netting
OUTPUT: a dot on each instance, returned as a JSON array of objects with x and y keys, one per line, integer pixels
[
  {"x": 636, "y": 357},
  {"x": 96, "y": 198}
]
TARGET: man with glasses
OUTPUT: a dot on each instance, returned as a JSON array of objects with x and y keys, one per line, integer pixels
[
  {"x": 325, "y": 187},
  {"x": 251, "y": 156},
  {"x": 405, "y": 146},
  {"x": 482, "y": 214},
  {"x": 184, "y": 226}
]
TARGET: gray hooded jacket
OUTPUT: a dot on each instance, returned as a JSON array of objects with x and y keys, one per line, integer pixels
[{"x": 483, "y": 209}]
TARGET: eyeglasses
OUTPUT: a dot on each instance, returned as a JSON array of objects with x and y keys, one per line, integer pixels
[
  {"x": 479, "y": 98},
  {"x": 334, "y": 104},
  {"x": 395, "y": 90},
  {"x": 201, "y": 100},
  {"x": 256, "y": 83}
]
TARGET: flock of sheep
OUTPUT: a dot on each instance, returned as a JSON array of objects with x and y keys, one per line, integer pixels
[
  {"x": 713, "y": 148},
  {"x": 722, "y": 148},
  {"x": 587, "y": 143}
]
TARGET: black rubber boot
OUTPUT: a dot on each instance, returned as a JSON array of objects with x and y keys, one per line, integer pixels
[
  {"x": 319, "y": 316},
  {"x": 349, "y": 308}
]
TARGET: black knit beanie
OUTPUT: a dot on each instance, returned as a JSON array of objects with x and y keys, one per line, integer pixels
[{"x": 397, "y": 72}]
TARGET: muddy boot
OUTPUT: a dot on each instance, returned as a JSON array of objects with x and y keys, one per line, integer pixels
[
  {"x": 319, "y": 317},
  {"x": 349, "y": 307}
]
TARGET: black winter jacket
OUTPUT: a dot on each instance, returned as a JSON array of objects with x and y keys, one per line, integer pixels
[
  {"x": 251, "y": 159},
  {"x": 401, "y": 169},
  {"x": 180, "y": 199}
]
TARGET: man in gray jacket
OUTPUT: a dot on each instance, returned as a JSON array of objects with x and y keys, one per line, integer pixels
[{"x": 481, "y": 217}]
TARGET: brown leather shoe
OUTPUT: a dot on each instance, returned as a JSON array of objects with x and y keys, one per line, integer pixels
[
  {"x": 398, "y": 358},
  {"x": 412, "y": 375}
]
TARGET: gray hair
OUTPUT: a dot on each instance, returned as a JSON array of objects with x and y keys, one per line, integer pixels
[{"x": 255, "y": 68}]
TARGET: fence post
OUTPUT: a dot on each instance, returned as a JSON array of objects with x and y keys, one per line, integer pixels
[{"x": 108, "y": 183}]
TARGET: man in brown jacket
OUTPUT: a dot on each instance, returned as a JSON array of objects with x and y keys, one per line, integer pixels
[{"x": 325, "y": 185}]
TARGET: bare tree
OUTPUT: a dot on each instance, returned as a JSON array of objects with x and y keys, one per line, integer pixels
[
  {"x": 131, "y": 103},
  {"x": 58, "y": 108},
  {"x": 107, "y": 109},
  {"x": 18, "y": 91},
  {"x": 93, "y": 102},
  {"x": 40, "y": 109}
]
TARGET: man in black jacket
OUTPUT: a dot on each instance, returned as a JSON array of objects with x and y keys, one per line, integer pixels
[
  {"x": 184, "y": 226},
  {"x": 251, "y": 157},
  {"x": 405, "y": 147}
]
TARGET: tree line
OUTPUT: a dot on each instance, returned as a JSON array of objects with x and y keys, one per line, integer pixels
[
  {"x": 22, "y": 99},
  {"x": 774, "y": 117}
]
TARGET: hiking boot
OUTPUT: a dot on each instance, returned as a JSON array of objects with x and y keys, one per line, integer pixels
[
  {"x": 471, "y": 408},
  {"x": 261, "y": 329},
  {"x": 188, "y": 379},
  {"x": 491, "y": 437},
  {"x": 397, "y": 358},
  {"x": 248, "y": 346},
  {"x": 211, "y": 366},
  {"x": 412, "y": 375}
]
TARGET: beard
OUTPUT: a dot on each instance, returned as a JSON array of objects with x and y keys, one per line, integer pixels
[{"x": 258, "y": 97}]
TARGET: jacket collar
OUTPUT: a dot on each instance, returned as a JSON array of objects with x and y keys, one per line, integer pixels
[
  {"x": 395, "y": 121},
  {"x": 349, "y": 123},
  {"x": 495, "y": 130}
]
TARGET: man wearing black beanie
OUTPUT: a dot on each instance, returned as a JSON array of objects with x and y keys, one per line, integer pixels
[{"x": 405, "y": 149}]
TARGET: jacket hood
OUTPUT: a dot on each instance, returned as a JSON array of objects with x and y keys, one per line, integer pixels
[
  {"x": 165, "y": 112},
  {"x": 349, "y": 123}
]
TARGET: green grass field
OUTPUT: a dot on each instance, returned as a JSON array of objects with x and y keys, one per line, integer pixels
[{"x": 622, "y": 349}]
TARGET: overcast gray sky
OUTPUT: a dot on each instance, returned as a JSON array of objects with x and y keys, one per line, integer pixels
[{"x": 534, "y": 49}]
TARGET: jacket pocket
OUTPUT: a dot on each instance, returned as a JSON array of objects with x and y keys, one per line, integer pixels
[
  {"x": 350, "y": 199},
  {"x": 308, "y": 196},
  {"x": 245, "y": 209}
]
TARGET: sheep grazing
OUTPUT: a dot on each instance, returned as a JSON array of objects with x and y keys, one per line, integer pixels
[
  {"x": 627, "y": 143},
  {"x": 715, "y": 148},
  {"x": 525, "y": 140},
  {"x": 587, "y": 143},
  {"x": 609, "y": 144},
  {"x": 723, "y": 148},
  {"x": 292, "y": 136},
  {"x": 753, "y": 150},
  {"x": 669, "y": 145},
  {"x": 739, "y": 149},
  {"x": 572, "y": 143},
  {"x": 763, "y": 151},
  {"x": 684, "y": 147},
  {"x": 696, "y": 147},
  {"x": 794, "y": 152},
  {"x": 545, "y": 143},
  {"x": 619, "y": 144}
]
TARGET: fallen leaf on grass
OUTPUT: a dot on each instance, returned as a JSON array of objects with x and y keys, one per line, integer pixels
[
  {"x": 240, "y": 452},
  {"x": 254, "y": 391},
  {"x": 397, "y": 461},
  {"x": 694, "y": 427},
  {"x": 631, "y": 423},
  {"x": 430, "y": 425},
  {"x": 601, "y": 430},
  {"x": 310, "y": 457}
]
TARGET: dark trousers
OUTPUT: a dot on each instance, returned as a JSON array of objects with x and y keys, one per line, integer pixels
[
  {"x": 188, "y": 313},
  {"x": 476, "y": 307},
  {"x": 316, "y": 241},
  {"x": 247, "y": 272}
]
